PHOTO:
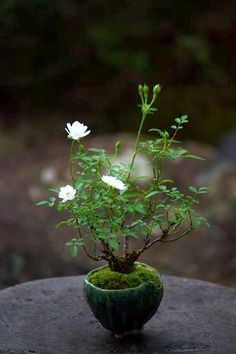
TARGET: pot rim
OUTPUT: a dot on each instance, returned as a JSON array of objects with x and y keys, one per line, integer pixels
[{"x": 122, "y": 290}]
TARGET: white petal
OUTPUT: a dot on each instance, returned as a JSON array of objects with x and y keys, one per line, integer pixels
[
  {"x": 77, "y": 130},
  {"x": 87, "y": 133},
  {"x": 114, "y": 182},
  {"x": 76, "y": 125},
  {"x": 83, "y": 128}
]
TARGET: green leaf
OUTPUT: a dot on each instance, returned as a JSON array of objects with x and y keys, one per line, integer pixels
[
  {"x": 166, "y": 180},
  {"x": 73, "y": 250},
  {"x": 137, "y": 222},
  {"x": 130, "y": 233},
  {"x": 198, "y": 221},
  {"x": 64, "y": 222},
  {"x": 203, "y": 190},
  {"x": 102, "y": 151},
  {"x": 184, "y": 118},
  {"x": 194, "y": 157},
  {"x": 54, "y": 190},
  {"x": 192, "y": 189},
  {"x": 151, "y": 194},
  {"x": 51, "y": 201},
  {"x": 136, "y": 208},
  {"x": 42, "y": 202},
  {"x": 60, "y": 207},
  {"x": 73, "y": 245},
  {"x": 113, "y": 243},
  {"x": 139, "y": 208},
  {"x": 80, "y": 242},
  {"x": 163, "y": 188}
]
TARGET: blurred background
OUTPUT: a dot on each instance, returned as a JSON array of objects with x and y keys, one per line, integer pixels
[{"x": 83, "y": 60}]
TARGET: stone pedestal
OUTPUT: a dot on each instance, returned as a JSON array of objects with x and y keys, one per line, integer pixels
[{"x": 51, "y": 317}]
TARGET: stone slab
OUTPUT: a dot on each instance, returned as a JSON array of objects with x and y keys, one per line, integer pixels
[{"x": 51, "y": 316}]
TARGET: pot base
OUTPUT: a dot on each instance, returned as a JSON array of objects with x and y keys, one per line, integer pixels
[{"x": 127, "y": 333}]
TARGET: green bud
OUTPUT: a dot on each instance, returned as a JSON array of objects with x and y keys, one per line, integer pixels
[
  {"x": 117, "y": 146},
  {"x": 145, "y": 90},
  {"x": 156, "y": 89},
  {"x": 140, "y": 90},
  {"x": 81, "y": 148}
]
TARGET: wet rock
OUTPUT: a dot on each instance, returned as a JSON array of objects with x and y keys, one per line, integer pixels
[{"x": 194, "y": 316}]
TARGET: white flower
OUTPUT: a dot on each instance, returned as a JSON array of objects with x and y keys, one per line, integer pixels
[
  {"x": 67, "y": 193},
  {"x": 77, "y": 130},
  {"x": 114, "y": 182}
]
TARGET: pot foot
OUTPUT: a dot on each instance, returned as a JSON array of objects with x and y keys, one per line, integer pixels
[
  {"x": 124, "y": 334},
  {"x": 118, "y": 335}
]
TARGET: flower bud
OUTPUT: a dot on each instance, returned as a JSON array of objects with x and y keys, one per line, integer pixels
[
  {"x": 145, "y": 90},
  {"x": 156, "y": 89},
  {"x": 117, "y": 146},
  {"x": 140, "y": 90}
]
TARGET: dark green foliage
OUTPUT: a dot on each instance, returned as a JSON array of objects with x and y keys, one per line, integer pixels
[
  {"x": 105, "y": 278},
  {"x": 110, "y": 216}
]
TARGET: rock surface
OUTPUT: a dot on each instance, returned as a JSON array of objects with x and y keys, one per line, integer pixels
[{"x": 51, "y": 317}]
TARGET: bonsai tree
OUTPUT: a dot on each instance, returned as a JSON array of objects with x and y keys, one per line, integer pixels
[{"x": 106, "y": 205}]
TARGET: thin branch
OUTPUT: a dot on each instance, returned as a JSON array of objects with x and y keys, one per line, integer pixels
[
  {"x": 178, "y": 237},
  {"x": 126, "y": 246},
  {"x": 144, "y": 115},
  {"x": 71, "y": 161}
]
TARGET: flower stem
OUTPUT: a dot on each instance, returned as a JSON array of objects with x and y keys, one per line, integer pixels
[
  {"x": 126, "y": 240},
  {"x": 136, "y": 144},
  {"x": 71, "y": 162}
]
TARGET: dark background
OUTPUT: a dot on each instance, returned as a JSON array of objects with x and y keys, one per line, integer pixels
[{"x": 67, "y": 60}]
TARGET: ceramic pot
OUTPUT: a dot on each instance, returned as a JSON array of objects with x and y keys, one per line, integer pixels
[{"x": 123, "y": 310}]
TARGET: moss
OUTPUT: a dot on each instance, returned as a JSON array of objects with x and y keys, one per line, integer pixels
[{"x": 105, "y": 278}]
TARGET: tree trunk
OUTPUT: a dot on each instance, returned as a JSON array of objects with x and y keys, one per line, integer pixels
[{"x": 123, "y": 264}]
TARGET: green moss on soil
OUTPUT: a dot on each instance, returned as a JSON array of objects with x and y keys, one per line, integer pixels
[{"x": 105, "y": 278}]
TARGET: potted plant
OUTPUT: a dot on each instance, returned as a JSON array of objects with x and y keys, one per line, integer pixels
[{"x": 108, "y": 208}]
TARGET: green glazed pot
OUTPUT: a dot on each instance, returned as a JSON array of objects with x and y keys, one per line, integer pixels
[{"x": 124, "y": 310}]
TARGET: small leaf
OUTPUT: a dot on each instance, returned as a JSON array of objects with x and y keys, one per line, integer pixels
[
  {"x": 51, "y": 201},
  {"x": 166, "y": 180},
  {"x": 80, "y": 242},
  {"x": 54, "y": 190},
  {"x": 131, "y": 234},
  {"x": 194, "y": 157},
  {"x": 137, "y": 222},
  {"x": 184, "y": 118},
  {"x": 151, "y": 194},
  {"x": 163, "y": 188},
  {"x": 113, "y": 243},
  {"x": 97, "y": 150},
  {"x": 42, "y": 202},
  {"x": 203, "y": 190},
  {"x": 192, "y": 189},
  {"x": 64, "y": 222},
  {"x": 60, "y": 207},
  {"x": 73, "y": 250},
  {"x": 139, "y": 208}
]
